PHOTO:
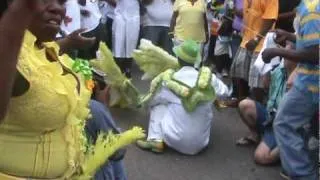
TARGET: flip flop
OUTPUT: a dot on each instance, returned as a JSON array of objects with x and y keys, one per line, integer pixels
[{"x": 246, "y": 141}]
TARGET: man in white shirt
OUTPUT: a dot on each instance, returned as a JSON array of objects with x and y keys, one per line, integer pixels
[
  {"x": 183, "y": 122},
  {"x": 156, "y": 22}
]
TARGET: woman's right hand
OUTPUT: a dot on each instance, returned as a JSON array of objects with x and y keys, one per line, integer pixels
[{"x": 14, "y": 21}]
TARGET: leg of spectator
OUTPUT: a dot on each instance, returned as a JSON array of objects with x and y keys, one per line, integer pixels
[
  {"x": 127, "y": 64},
  {"x": 243, "y": 89},
  {"x": 264, "y": 155},
  {"x": 248, "y": 114},
  {"x": 102, "y": 121},
  {"x": 295, "y": 110},
  {"x": 212, "y": 45},
  {"x": 119, "y": 170},
  {"x": 219, "y": 62},
  {"x": 109, "y": 30},
  {"x": 166, "y": 41},
  {"x": 235, "y": 44}
]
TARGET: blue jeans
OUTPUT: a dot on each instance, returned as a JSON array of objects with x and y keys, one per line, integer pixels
[
  {"x": 295, "y": 111},
  {"x": 103, "y": 121},
  {"x": 114, "y": 170}
]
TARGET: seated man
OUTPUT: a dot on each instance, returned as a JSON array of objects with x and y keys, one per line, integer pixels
[
  {"x": 259, "y": 118},
  {"x": 181, "y": 107},
  {"x": 102, "y": 121}
]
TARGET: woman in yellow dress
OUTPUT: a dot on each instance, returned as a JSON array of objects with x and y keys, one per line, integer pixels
[{"x": 43, "y": 102}]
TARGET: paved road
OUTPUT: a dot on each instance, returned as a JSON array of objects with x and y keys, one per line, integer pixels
[{"x": 222, "y": 160}]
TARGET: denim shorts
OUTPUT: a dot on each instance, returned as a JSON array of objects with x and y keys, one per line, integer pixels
[{"x": 266, "y": 132}]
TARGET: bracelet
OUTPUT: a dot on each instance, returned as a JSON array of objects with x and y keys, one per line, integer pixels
[{"x": 170, "y": 33}]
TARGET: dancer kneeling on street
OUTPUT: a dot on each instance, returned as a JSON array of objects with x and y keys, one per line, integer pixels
[{"x": 181, "y": 106}]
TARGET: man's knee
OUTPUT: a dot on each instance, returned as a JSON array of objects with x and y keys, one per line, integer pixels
[
  {"x": 247, "y": 106},
  {"x": 265, "y": 156}
]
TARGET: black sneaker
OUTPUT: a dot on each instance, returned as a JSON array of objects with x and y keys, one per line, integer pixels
[{"x": 284, "y": 174}]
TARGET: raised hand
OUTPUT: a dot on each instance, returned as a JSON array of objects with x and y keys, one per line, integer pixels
[
  {"x": 80, "y": 42},
  {"x": 280, "y": 36},
  {"x": 251, "y": 45}
]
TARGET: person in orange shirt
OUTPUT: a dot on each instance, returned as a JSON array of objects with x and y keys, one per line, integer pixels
[{"x": 259, "y": 17}]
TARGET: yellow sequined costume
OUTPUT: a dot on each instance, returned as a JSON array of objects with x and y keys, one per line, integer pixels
[{"x": 42, "y": 133}]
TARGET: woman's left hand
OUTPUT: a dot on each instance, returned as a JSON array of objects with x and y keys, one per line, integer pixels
[{"x": 80, "y": 42}]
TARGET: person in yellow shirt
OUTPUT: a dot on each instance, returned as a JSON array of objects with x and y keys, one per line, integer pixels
[
  {"x": 44, "y": 100},
  {"x": 259, "y": 17},
  {"x": 189, "y": 22}
]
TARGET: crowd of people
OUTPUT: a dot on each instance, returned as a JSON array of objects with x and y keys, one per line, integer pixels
[{"x": 259, "y": 56}]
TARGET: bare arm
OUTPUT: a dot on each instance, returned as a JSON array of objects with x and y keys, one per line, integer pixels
[
  {"x": 309, "y": 55},
  {"x": 283, "y": 36},
  {"x": 75, "y": 41},
  {"x": 287, "y": 15},
  {"x": 12, "y": 27},
  {"x": 266, "y": 26}
]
